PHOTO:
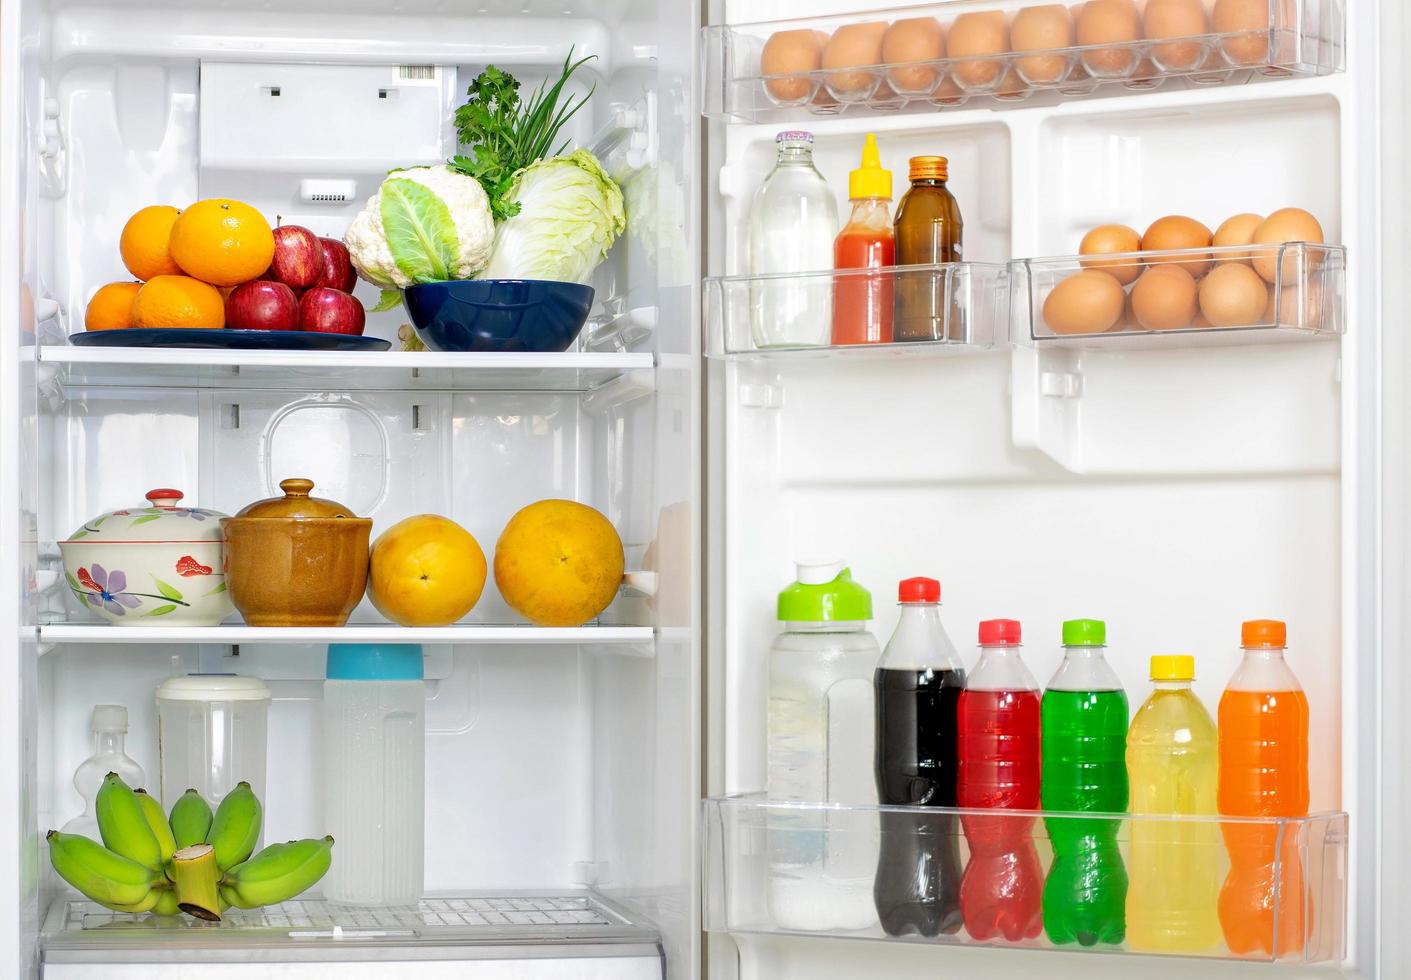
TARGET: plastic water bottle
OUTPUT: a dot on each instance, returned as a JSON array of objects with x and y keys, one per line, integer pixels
[
  {"x": 109, "y": 727},
  {"x": 1174, "y": 866},
  {"x": 793, "y": 221},
  {"x": 374, "y": 755},
  {"x": 1085, "y": 769},
  {"x": 820, "y": 750},
  {"x": 917, "y": 888},
  {"x": 1263, "y": 773},
  {"x": 997, "y": 722}
]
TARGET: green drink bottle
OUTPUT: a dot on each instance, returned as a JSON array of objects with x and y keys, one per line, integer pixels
[{"x": 1084, "y": 724}]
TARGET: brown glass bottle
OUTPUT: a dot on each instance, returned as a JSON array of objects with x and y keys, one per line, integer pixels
[{"x": 928, "y": 230}]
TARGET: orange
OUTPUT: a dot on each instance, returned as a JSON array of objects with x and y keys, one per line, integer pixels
[
  {"x": 558, "y": 563},
  {"x": 111, "y": 307},
  {"x": 425, "y": 571},
  {"x": 178, "y": 301},
  {"x": 146, "y": 242},
  {"x": 222, "y": 242}
]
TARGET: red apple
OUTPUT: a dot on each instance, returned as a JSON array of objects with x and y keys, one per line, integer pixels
[
  {"x": 262, "y": 305},
  {"x": 324, "y": 310},
  {"x": 298, "y": 259},
  {"x": 338, "y": 270}
]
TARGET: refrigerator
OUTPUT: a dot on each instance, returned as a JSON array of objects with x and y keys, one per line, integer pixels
[{"x": 593, "y": 802}]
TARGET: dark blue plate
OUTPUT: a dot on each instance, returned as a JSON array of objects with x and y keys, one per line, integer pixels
[
  {"x": 498, "y": 314},
  {"x": 226, "y": 339}
]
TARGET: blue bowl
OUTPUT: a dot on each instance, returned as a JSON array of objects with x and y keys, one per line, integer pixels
[{"x": 498, "y": 314}]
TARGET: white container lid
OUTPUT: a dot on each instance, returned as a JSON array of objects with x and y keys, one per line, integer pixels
[{"x": 212, "y": 687}]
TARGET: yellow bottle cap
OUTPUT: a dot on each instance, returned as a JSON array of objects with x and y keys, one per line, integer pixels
[
  {"x": 870, "y": 180},
  {"x": 1173, "y": 667}
]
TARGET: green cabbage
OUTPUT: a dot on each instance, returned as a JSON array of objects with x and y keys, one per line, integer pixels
[{"x": 570, "y": 213}]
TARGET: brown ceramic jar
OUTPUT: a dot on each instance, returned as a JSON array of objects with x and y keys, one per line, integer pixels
[{"x": 296, "y": 560}]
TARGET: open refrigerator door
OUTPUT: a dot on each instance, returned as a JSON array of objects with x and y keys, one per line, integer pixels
[
  {"x": 561, "y": 773},
  {"x": 1173, "y": 473}
]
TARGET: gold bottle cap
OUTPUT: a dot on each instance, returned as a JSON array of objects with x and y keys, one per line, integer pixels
[{"x": 928, "y": 168}]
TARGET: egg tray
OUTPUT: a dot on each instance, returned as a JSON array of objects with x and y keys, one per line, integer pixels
[
  {"x": 1304, "y": 301},
  {"x": 1305, "y": 37}
]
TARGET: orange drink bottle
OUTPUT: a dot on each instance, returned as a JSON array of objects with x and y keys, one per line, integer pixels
[{"x": 1263, "y": 722}]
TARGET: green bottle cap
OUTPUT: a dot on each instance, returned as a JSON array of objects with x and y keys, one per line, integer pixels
[
  {"x": 1084, "y": 633},
  {"x": 824, "y": 593}
]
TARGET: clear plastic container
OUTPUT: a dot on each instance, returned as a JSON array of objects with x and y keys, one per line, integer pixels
[
  {"x": 211, "y": 732},
  {"x": 820, "y": 746},
  {"x": 374, "y": 765},
  {"x": 109, "y": 729},
  {"x": 793, "y": 220}
]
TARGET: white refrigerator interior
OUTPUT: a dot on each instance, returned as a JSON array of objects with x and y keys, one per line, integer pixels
[
  {"x": 561, "y": 773},
  {"x": 1173, "y": 486}
]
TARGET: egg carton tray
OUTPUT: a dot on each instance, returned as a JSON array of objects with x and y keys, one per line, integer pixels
[
  {"x": 760, "y": 73},
  {"x": 1299, "y": 295}
]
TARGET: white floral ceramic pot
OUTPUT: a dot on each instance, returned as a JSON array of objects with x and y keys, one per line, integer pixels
[{"x": 159, "y": 565}]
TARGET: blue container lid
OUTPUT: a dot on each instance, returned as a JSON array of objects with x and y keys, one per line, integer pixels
[{"x": 374, "y": 662}]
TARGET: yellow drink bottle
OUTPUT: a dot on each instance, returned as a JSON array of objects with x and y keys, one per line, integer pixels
[{"x": 1174, "y": 866}]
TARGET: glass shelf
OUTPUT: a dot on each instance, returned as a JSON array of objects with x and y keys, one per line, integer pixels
[
  {"x": 56, "y": 633},
  {"x": 150, "y": 367},
  {"x": 808, "y": 869},
  {"x": 309, "y": 923},
  {"x": 964, "y": 307},
  {"x": 786, "y": 70},
  {"x": 1304, "y": 300}
]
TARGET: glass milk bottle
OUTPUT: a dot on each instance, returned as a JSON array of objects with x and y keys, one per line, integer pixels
[
  {"x": 793, "y": 220},
  {"x": 109, "y": 729},
  {"x": 820, "y": 750},
  {"x": 374, "y": 755}
]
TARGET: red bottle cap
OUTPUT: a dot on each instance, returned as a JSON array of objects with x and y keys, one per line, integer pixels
[
  {"x": 1266, "y": 633},
  {"x": 919, "y": 590},
  {"x": 999, "y": 633}
]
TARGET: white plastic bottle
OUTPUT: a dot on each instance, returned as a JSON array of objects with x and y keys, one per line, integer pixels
[
  {"x": 374, "y": 754},
  {"x": 793, "y": 221},
  {"x": 820, "y": 750},
  {"x": 109, "y": 729}
]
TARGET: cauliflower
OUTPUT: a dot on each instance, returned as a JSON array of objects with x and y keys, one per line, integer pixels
[{"x": 425, "y": 224}]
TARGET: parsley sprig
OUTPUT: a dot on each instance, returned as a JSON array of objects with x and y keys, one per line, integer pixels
[{"x": 505, "y": 135}]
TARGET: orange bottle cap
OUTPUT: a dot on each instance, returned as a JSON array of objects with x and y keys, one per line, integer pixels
[
  {"x": 928, "y": 168},
  {"x": 1263, "y": 633}
]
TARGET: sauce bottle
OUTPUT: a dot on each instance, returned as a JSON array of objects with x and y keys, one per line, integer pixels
[
  {"x": 862, "y": 304},
  {"x": 928, "y": 230}
]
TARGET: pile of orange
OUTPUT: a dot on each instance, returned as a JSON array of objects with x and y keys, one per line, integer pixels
[{"x": 185, "y": 260}]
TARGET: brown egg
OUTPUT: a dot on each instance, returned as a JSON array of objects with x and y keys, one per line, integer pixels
[
  {"x": 1233, "y": 295},
  {"x": 1043, "y": 28},
  {"x": 787, "y": 52},
  {"x": 948, "y": 93},
  {"x": 1085, "y": 302},
  {"x": 1299, "y": 306},
  {"x": 1108, "y": 240},
  {"x": 1284, "y": 225},
  {"x": 853, "y": 46},
  {"x": 1177, "y": 231},
  {"x": 1109, "y": 22},
  {"x": 973, "y": 35},
  {"x": 916, "y": 39},
  {"x": 1250, "y": 20},
  {"x": 1238, "y": 230},
  {"x": 1199, "y": 322},
  {"x": 1164, "y": 298},
  {"x": 1175, "y": 18}
]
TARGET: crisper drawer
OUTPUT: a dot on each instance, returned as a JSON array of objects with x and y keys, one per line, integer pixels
[
  {"x": 1029, "y": 879},
  {"x": 521, "y": 936}
]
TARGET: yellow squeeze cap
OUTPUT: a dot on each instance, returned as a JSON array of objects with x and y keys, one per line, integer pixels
[
  {"x": 870, "y": 180},
  {"x": 1173, "y": 667}
]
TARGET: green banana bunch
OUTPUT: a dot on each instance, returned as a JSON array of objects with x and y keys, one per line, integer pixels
[
  {"x": 166, "y": 902},
  {"x": 157, "y": 821},
  {"x": 123, "y": 824},
  {"x": 106, "y": 877},
  {"x": 235, "y": 827},
  {"x": 277, "y": 873},
  {"x": 190, "y": 820}
]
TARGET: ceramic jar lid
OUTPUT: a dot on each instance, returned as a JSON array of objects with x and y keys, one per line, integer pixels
[
  {"x": 163, "y": 519},
  {"x": 296, "y": 503}
]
